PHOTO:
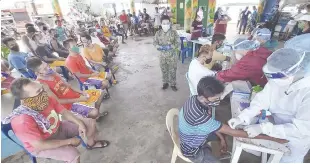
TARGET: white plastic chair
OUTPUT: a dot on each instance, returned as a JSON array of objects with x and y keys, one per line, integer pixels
[
  {"x": 191, "y": 86},
  {"x": 174, "y": 135}
]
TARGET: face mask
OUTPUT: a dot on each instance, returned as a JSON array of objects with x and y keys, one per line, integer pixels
[
  {"x": 282, "y": 82},
  {"x": 214, "y": 103},
  {"x": 165, "y": 27},
  {"x": 301, "y": 25},
  {"x": 75, "y": 49},
  {"x": 200, "y": 13},
  {"x": 37, "y": 103},
  {"x": 238, "y": 56},
  {"x": 208, "y": 61},
  {"x": 15, "y": 48}
]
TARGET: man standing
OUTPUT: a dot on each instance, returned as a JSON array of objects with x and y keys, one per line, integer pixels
[
  {"x": 244, "y": 20},
  {"x": 60, "y": 31},
  {"x": 156, "y": 19},
  {"x": 167, "y": 42},
  {"x": 124, "y": 20},
  {"x": 254, "y": 18},
  {"x": 27, "y": 41}
]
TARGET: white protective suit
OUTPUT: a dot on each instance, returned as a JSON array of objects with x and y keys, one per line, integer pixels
[{"x": 290, "y": 108}]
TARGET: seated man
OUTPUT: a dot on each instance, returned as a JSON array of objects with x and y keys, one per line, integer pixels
[
  {"x": 76, "y": 64},
  {"x": 37, "y": 125},
  {"x": 217, "y": 42},
  {"x": 197, "y": 127},
  {"x": 197, "y": 70},
  {"x": 56, "y": 46},
  {"x": 95, "y": 55},
  {"x": 72, "y": 99},
  {"x": 107, "y": 33},
  {"x": 249, "y": 67},
  {"x": 45, "y": 53},
  {"x": 16, "y": 58}
]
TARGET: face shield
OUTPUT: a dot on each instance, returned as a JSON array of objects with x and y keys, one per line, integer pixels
[{"x": 283, "y": 63}]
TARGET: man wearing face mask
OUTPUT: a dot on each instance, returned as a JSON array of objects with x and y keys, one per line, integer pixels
[
  {"x": 251, "y": 59},
  {"x": 197, "y": 70},
  {"x": 167, "y": 41},
  {"x": 216, "y": 44},
  {"x": 16, "y": 58},
  {"x": 197, "y": 126}
]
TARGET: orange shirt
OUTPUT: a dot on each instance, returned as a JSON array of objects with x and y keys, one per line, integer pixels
[
  {"x": 26, "y": 129},
  {"x": 106, "y": 31},
  {"x": 95, "y": 53},
  {"x": 61, "y": 90},
  {"x": 77, "y": 64}
]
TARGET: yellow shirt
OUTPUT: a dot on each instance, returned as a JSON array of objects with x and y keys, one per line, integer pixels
[
  {"x": 216, "y": 57},
  {"x": 106, "y": 31},
  {"x": 95, "y": 53}
]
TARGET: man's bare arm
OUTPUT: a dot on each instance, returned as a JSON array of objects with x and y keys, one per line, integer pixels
[{"x": 240, "y": 133}]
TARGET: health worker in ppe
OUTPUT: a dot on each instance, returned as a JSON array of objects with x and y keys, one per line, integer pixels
[
  {"x": 287, "y": 97},
  {"x": 252, "y": 56}
]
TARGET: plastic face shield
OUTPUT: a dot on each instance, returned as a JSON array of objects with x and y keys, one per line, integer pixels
[{"x": 285, "y": 73}]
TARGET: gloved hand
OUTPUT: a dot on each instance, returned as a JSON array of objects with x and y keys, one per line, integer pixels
[
  {"x": 253, "y": 130},
  {"x": 235, "y": 122},
  {"x": 168, "y": 47},
  {"x": 263, "y": 128}
]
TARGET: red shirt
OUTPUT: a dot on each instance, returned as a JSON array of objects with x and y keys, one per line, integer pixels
[
  {"x": 248, "y": 68},
  {"x": 220, "y": 28},
  {"x": 123, "y": 18},
  {"x": 61, "y": 90},
  {"x": 197, "y": 32},
  {"x": 27, "y": 130},
  {"x": 77, "y": 64}
]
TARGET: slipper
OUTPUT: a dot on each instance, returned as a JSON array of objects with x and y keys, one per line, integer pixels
[
  {"x": 106, "y": 96},
  {"x": 101, "y": 115},
  {"x": 104, "y": 144}
]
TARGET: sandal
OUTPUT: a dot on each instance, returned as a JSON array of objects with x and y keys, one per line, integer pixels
[
  {"x": 103, "y": 143},
  {"x": 101, "y": 115},
  {"x": 106, "y": 96}
]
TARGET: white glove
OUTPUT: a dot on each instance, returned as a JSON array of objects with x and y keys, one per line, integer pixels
[
  {"x": 235, "y": 122},
  {"x": 253, "y": 130},
  {"x": 256, "y": 129}
]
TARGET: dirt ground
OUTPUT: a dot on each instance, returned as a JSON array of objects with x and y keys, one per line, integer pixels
[{"x": 137, "y": 109}]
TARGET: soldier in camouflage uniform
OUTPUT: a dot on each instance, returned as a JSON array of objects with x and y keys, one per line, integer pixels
[{"x": 168, "y": 43}]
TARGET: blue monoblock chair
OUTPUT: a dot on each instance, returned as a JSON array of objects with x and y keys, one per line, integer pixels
[
  {"x": 6, "y": 128},
  {"x": 184, "y": 49}
]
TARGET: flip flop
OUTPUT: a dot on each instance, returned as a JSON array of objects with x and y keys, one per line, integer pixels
[
  {"x": 101, "y": 115},
  {"x": 104, "y": 143}
]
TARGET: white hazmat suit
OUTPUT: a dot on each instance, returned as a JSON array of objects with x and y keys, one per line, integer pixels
[{"x": 287, "y": 98}]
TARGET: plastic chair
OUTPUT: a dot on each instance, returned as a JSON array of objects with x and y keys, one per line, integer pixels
[
  {"x": 191, "y": 87},
  {"x": 174, "y": 136},
  {"x": 6, "y": 128},
  {"x": 275, "y": 155},
  {"x": 184, "y": 49}
]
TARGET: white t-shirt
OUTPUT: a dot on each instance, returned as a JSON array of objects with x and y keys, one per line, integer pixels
[
  {"x": 157, "y": 19},
  {"x": 196, "y": 71}
]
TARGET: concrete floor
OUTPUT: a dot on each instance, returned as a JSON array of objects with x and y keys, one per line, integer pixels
[{"x": 137, "y": 109}]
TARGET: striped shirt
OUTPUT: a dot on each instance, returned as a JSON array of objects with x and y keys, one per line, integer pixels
[{"x": 195, "y": 124}]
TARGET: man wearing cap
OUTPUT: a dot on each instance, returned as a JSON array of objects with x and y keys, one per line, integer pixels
[
  {"x": 287, "y": 97},
  {"x": 251, "y": 56}
]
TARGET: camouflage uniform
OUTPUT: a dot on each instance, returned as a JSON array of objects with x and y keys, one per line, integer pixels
[{"x": 168, "y": 59}]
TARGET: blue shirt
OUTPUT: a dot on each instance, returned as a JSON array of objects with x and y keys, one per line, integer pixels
[
  {"x": 17, "y": 60},
  {"x": 195, "y": 124}
]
